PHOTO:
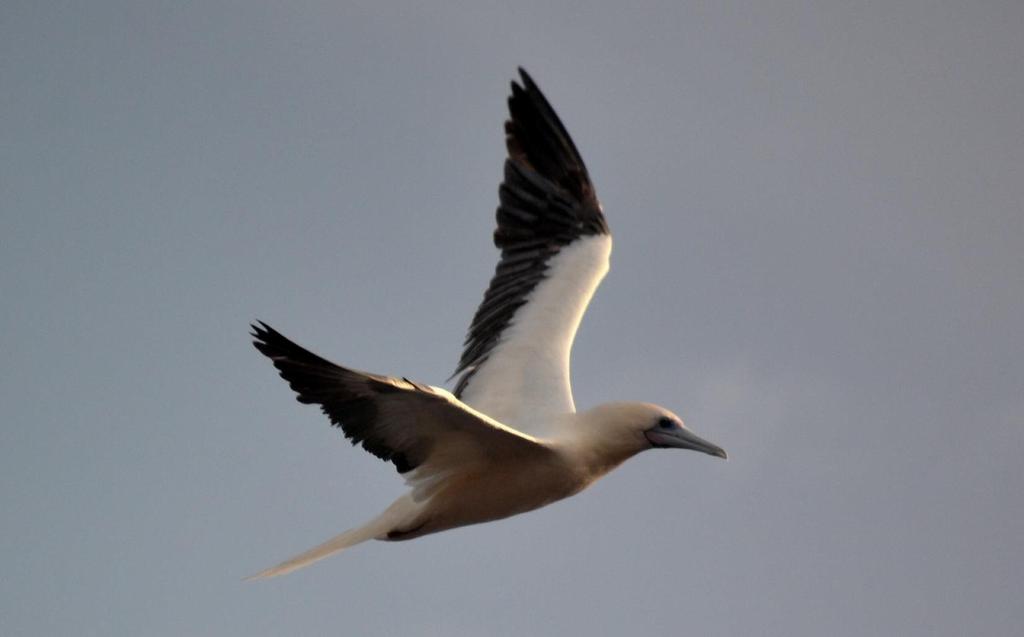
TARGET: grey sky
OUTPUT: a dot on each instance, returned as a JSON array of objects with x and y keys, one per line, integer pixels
[{"x": 819, "y": 263}]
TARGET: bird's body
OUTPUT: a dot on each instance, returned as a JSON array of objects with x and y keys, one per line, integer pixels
[{"x": 509, "y": 440}]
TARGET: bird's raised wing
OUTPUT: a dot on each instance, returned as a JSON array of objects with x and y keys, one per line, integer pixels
[
  {"x": 555, "y": 246},
  {"x": 415, "y": 426}
]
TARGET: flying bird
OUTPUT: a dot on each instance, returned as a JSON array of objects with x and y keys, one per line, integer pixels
[{"x": 508, "y": 439}]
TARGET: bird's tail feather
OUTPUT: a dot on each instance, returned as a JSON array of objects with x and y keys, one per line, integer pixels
[{"x": 395, "y": 516}]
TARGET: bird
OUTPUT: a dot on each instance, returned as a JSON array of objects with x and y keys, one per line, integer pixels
[{"x": 508, "y": 438}]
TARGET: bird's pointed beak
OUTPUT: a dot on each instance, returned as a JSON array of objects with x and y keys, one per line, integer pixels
[{"x": 682, "y": 438}]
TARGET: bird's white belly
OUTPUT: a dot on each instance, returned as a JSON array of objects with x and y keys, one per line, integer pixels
[{"x": 497, "y": 493}]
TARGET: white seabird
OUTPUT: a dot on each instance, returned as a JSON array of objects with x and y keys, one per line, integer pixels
[{"x": 509, "y": 439}]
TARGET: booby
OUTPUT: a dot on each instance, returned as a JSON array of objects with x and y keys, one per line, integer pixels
[{"x": 508, "y": 439}]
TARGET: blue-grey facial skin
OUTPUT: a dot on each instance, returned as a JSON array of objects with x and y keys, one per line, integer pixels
[{"x": 671, "y": 434}]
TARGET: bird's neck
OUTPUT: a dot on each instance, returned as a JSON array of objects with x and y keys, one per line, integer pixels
[{"x": 595, "y": 455}]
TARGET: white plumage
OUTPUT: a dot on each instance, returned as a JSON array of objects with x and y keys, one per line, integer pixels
[
  {"x": 526, "y": 378},
  {"x": 509, "y": 440}
]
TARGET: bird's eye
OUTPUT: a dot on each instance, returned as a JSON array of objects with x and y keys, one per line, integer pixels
[{"x": 666, "y": 423}]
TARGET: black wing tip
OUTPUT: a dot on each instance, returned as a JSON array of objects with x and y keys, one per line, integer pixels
[
  {"x": 536, "y": 138},
  {"x": 526, "y": 98},
  {"x": 526, "y": 83},
  {"x": 267, "y": 340},
  {"x": 261, "y": 331}
]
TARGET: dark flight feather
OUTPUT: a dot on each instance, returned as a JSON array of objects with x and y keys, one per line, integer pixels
[
  {"x": 395, "y": 419},
  {"x": 348, "y": 397}
]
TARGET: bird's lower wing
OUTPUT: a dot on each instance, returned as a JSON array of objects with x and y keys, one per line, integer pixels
[{"x": 411, "y": 425}]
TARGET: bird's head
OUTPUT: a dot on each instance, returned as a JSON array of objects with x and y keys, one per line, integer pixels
[
  {"x": 634, "y": 427},
  {"x": 669, "y": 432}
]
